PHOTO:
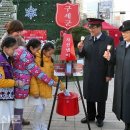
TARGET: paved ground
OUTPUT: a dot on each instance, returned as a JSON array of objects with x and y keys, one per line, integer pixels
[{"x": 73, "y": 123}]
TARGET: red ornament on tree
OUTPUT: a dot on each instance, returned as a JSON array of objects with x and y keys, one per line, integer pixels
[
  {"x": 67, "y": 15},
  {"x": 67, "y": 51}
]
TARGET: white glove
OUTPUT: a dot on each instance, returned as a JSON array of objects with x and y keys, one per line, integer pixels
[{"x": 66, "y": 93}]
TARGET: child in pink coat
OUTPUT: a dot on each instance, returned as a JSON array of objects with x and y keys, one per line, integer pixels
[{"x": 24, "y": 69}]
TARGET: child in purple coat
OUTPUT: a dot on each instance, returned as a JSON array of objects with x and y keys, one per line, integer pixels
[{"x": 7, "y": 82}]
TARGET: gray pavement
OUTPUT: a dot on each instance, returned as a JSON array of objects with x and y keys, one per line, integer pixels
[{"x": 73, "y": 122}]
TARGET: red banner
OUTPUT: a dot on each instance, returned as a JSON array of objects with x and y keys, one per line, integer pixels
[
  {"x": 39, "y": 34},
  {"x": 67, "y": 15},
  {"x": 67, "y": 51}
]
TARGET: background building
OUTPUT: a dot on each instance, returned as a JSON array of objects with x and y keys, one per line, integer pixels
[
  {"x": 7, "y": 11},
  {"x": 113, "y": 11}
]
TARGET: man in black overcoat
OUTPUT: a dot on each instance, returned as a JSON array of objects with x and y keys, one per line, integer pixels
[{"x": 97, "y": 70}]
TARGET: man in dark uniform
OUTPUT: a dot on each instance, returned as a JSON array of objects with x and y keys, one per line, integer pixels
[{"x": 97, "y": 71}]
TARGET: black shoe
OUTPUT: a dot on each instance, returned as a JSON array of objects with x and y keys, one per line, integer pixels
[
  {"x": 84, "y": 120},
  {"x": 99, "y": 123},
  {"x": 127, "y": 126},
  {"x": 25, "y": 122}
]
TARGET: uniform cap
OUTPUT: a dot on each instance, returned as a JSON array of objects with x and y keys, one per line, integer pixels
[
  {"x": 94, "y": 21},
  {"x": 125, "y": 26}
]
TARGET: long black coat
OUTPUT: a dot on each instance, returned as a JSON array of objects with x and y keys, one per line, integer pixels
[
  {"x": 121, "y": 100},
  {"x": 96, "y": 68}
]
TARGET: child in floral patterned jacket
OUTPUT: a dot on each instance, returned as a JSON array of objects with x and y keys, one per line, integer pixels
[{"x": 24, "y": 69}]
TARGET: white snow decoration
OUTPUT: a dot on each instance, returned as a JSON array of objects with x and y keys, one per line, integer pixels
[{"x": 30, "y": 12}]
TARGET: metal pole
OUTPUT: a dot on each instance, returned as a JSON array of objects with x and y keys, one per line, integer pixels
[
  {"x": 54, "y": 101},
  {"x": 80, "y": 92},
  {"x": 98, "y": 11}
]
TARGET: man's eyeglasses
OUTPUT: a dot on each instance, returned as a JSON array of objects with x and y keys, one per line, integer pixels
[{"x": 94, "y": 27}]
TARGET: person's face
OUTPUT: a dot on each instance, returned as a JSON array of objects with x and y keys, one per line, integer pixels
[
  {"x": 35, "y": 50},
  {"x": 48, "y": 53},
  {"x": 16, "y": 34},
  {"x": 94, "y": 30},
  {"x": 10, "y": 51},
  {"x": 126, "y": 36}
]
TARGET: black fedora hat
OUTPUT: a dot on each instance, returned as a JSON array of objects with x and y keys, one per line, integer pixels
[{"x": 125, "y": 26}]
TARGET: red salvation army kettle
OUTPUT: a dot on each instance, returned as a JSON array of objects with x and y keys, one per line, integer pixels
[{"x": 67, "y": 105}]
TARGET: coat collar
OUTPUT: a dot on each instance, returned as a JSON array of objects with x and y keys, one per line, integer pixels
[
  {"x": 46, "y": 59},
  {"x": 3, "y": 60},
  {"x": 122, "y": 43},
  {"x": 102, "y": 37}
]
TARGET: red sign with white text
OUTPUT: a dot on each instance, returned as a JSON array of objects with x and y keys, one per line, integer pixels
[
  {"x": 67, "y": 15},
  {"x": 67, "y": 51},
  {"x": 39, "y": 34}
]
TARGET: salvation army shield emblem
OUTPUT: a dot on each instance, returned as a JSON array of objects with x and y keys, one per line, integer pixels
[{"x": 67, "y": 15}]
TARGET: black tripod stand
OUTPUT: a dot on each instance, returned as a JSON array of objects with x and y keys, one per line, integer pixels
[{"x": 80, "y": 92}]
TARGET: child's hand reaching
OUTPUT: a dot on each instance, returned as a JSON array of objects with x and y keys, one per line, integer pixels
[
  {"x": 62, "y": 86},
  {"x": 55, "y": 84},
  {"x": 19, "y": 83}
]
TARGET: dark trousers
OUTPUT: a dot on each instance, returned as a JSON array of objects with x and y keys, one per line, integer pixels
[{"x": 98, "y": 113}]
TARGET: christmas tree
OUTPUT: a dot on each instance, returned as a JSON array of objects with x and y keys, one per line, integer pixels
[{"x": 39, "y": 14}]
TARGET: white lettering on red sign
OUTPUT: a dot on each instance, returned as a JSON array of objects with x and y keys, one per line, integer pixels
[
  {"x": 68, "y": 16},
  {"x": 67, "y": 8},
  {"x": 67, "y": 44},
  {"x": 68, "y": 40},
  {"x": 68, "y": 23},
  {"x": 67, "y": 50},
  {"x": 67, "y": 54}
]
